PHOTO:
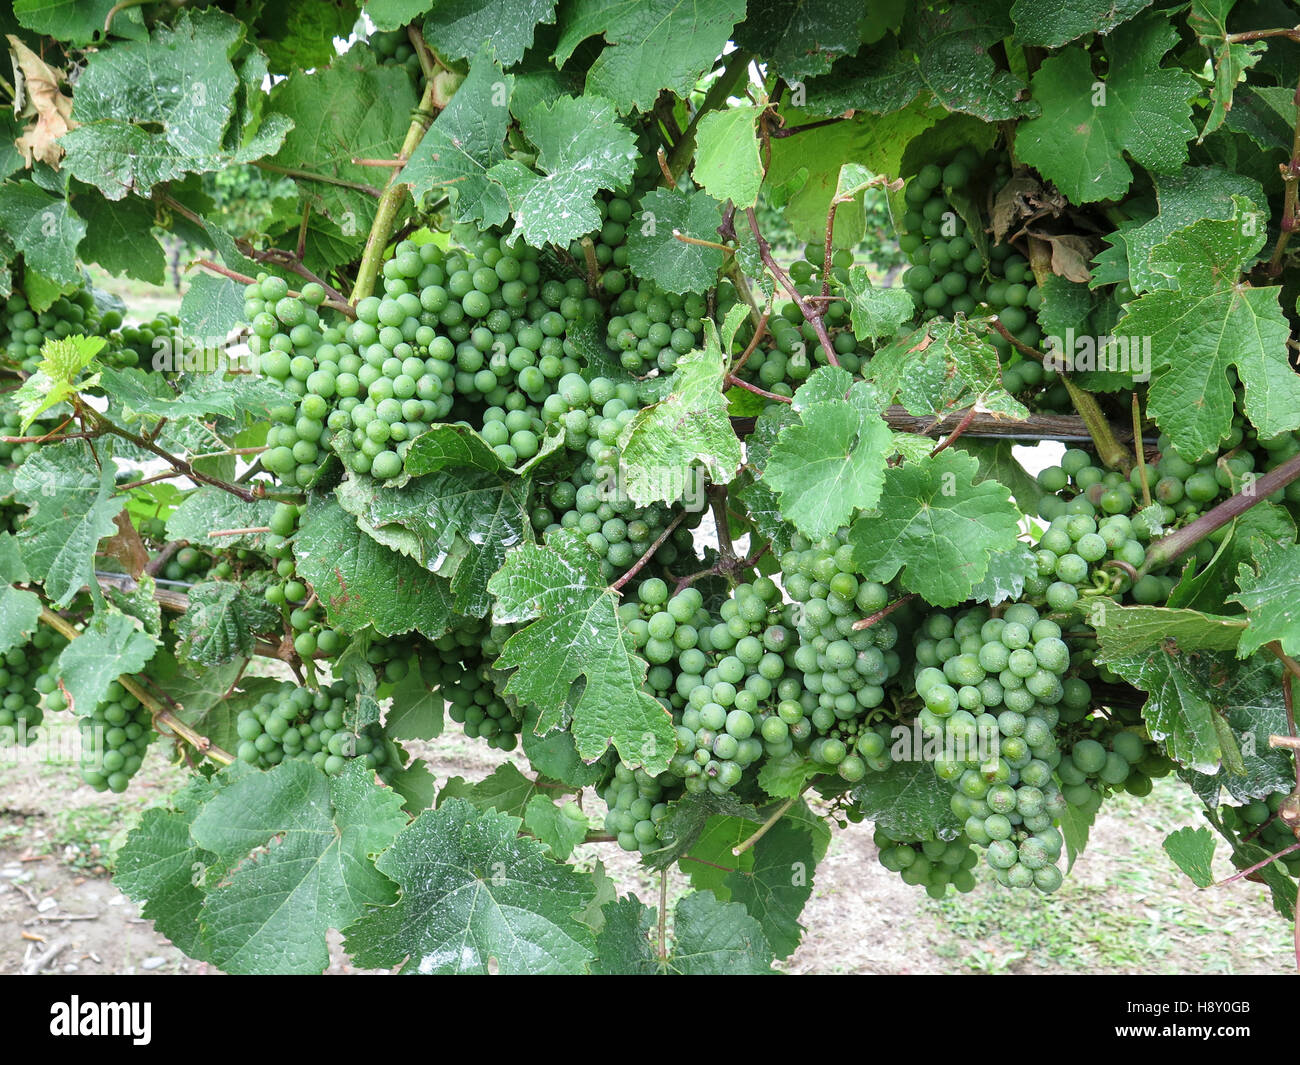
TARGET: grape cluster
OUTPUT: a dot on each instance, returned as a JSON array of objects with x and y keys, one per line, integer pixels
[
  {"x": 1090, "y": 768},
  {"x": 1260, "y": 819},
  {"x": 297, "y": 723},
  {"x": 930, "y": 863},
  {"x": 637, "y": 804},
  {"x": 991, "y": 688},
  {"x": 24, "y": 330},
  {"x": 392, "y": 48},
  {"x": 609, "y": 242},
  {"x": 27, "y": 673},
  {"x": 652, "y": 329},
  {"x": 304, "y": 613},
  {"x": 114, "y": 738}
]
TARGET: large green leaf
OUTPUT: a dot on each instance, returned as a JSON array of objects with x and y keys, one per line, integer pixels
[
  {"x": 460, "y": 28},
  {"x": 300, "y": 847},
  {"x": 582, "y": 148},
  {"x": 465, "y": 141},
  {"x": 1088, "y": 124},
  {"x": 1210, "y": 325},
  {"x": 939, "y": 524},
  {"x": 832, "y": 463},
  {"x": 572, "y": 634},
  {"x": 667, "y": 444},
  {"x": 72, "y": 505},
  {"x": 111, "y": 644},
  {"x": 362, "y": 583},
  {"x": 651, "y": 44},
  {"x": 476, "y": 897},
  {"x": 655, "y": 253}
]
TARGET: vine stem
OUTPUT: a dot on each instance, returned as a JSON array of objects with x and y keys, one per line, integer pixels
[
  {"x": 811, "y": 315},
  {"x": 159, "y": 712},
  {"x": 718, "y": 504},
  {"x": 1178, "y": 542},
  {"x": 1259, "y": 865},
  {"x": 952, "y": 437},
  {"x": 640, "y": 562},
  {"x": 1291, "y": 183},
  {"x": 732, "y": 379},
  {"x": 390, "y": 200},
  {"x": 766, "y": 826},
  {"x": 1138, "y": 449},
  {"x": 324, "y": 179},
  {"x": 663, "y": 915},
  {"x": 884, "y": 612},
  {"x": 244, "y": 279}
]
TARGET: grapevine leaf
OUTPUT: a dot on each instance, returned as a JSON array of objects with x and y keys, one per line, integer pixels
[
  {"x": 1128, "y": 630},
  {"x": 727, "y": 162},
  {"x": 875, "y": 312},
  {"x": 464, "y": 521},
  {"x": 299, "y": 34},
  {"x": 907, "y": 800},
  {"x": 141, "y": 393},
  {"x": 650, "y": 45},
  {"x": 1210, "y": 324},
  {"x": 1051, "y": 23},
  {"x": 474, "y": 892},
  {"x": 944, "y": 366},
  {"x": 55, "y": 379},
  {"x": 394, "y": 14},
  {"x": 119, "y": 237},
  {"x": 111, "y": 645},
  {"x": 779, "y": 884},
  {"x": 1089, "y": 123},
  {"x": 1267, "y": 592},
  {"x": 1191, "y": 694},
  {"x": 654, "y": 252},
  {"x": 880, "y": 79},
  {"x": 350, "y": 103},
  {"x": 951, "y": 45},
  {"x": 362, "y": 583},
  {"x": 1192, "y": 850},
  {"x": 505, "y": 790},
  {"x": 582, "y": 148},
  {"x": 210, "y": 510},
  {"x": 1076, "y": 826},
  {"x": 1229, "y": 59},
  {"x": 416, "y": 785},
  {"x": 785, "y": 777},
  {"x": 997, "y": 461},
  {"x": 161, "y": 865},
  {"x": 939, "y": 524},
  {"x": 152, "y": 110},
  {"x": 664, "y": 446},
  {"x": 877, "y": 143},
  {"x": 712, "y": 938},
  {"x": 72, "y": 504},
  {"x": 299, "y": 847},
  {"x": 1006, "y": 576},
  {"x": 415, "y": 712},
  {"x": 561, "y": 828},
  {"x": 1195, "y": 192},
  {"x": 20, "y": 613},
  {"x": 459, "y": 28},
  {"x": 222, "y": 622},
  {"x": 832, "y": 463},
  {"x": 800, "y": 38},
  {"x": 211, "y": 308},
  {"x": 554, "y": 755},
  {"x": 1252, "y": 711},
  {"x": 623, "y": 945},
  {"x": 465, "y": 141},
  {"x": 574, "y": 634},
  {"x": 44, "y": 228},
  {"x": 78, "y": 22},
  {"x": 712, "y": 859}
]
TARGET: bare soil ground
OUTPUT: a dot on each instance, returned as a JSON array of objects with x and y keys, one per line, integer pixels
[{"x": 1124, "y": 909}]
